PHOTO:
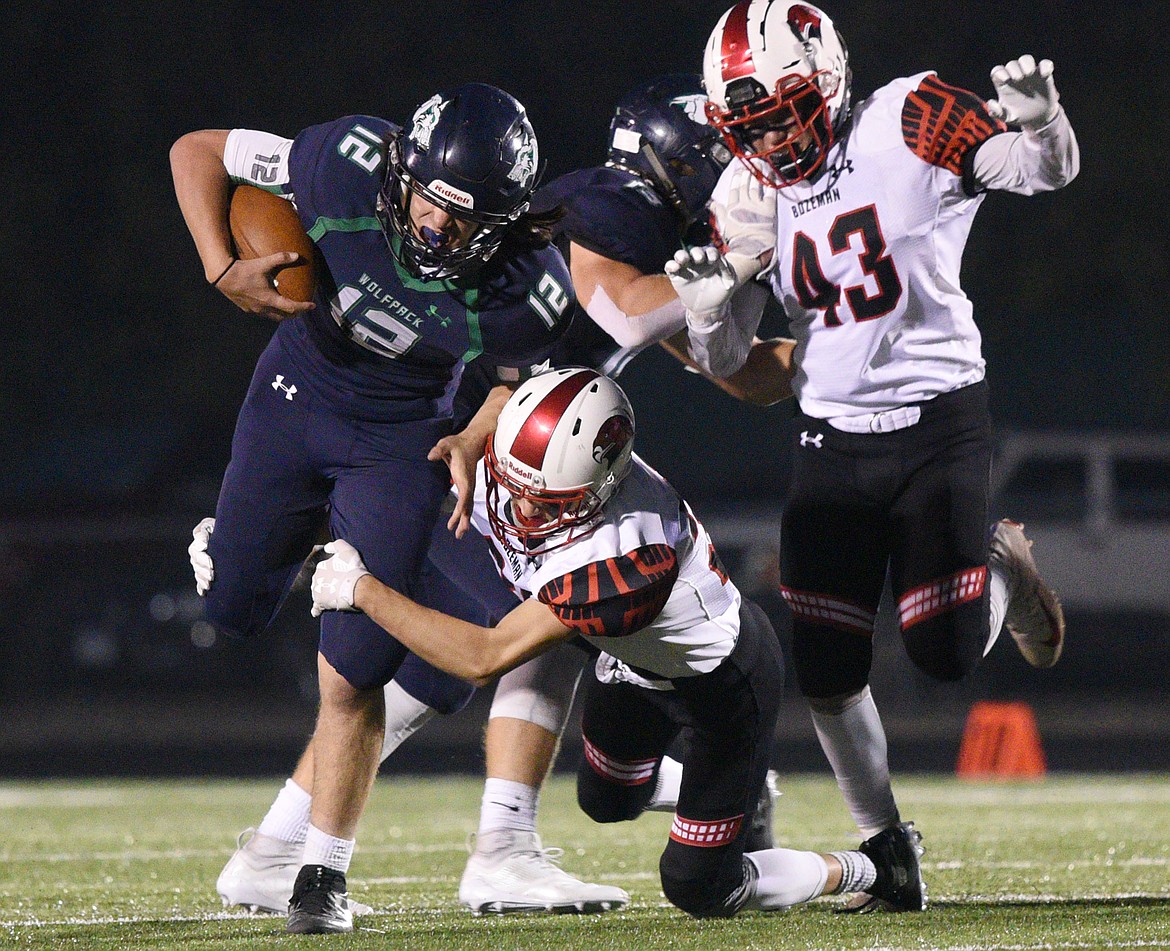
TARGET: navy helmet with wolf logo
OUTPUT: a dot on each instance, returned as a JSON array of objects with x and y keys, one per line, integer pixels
[
  {"x": 472, "y": 152},
  {"x": 660, "y": 133}
]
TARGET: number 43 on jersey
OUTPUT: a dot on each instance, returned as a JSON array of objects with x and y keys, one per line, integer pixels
[{"x": 816, "y": 292}]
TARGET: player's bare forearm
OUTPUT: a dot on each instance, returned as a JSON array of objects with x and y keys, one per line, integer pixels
[
  {"x": 203, "y": 190},
  {"x": 483, "y": 423},
  {"x": 462, "y": 452},
  {"x": 472, "y": 653},
  {"x": 764, "y": 379},
  {"x": 628, "y": 288},
  {"x": 766, "y": 376}
]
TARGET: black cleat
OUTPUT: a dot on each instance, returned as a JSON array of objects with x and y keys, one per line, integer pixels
[
  {"x": 759, "y": 834},
  {"x": 319, "y": 904},
  {"x": 894, "y": 853},
  {"x": 863, "y": 903}
]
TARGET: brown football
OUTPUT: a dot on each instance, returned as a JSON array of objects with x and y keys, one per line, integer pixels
[{"x": 262, "y": 224}]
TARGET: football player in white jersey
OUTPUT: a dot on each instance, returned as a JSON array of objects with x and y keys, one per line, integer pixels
[
  {"x": 602, "y": 549},
  {"x": 857, "y": 217}
]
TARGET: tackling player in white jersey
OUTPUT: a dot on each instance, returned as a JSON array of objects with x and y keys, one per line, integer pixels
[
  {"x": 857, "y": 218},
  {"x": 602, "y": 548}
]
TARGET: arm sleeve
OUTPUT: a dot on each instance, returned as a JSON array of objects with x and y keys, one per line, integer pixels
[
  {"x": 614, "y": 597},
  {"x": 722, "y": 346},
  {"x": 257, "y": 158},
  {"x": 638, "y": 331},
  {"x": 1030, "y": 161}
]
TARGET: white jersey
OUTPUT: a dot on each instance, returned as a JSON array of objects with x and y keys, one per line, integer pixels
[
  {"x": 645, "y": 586},
  {"x": 868, "y": 255}
]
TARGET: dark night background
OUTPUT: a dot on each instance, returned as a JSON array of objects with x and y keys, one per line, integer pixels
[{"x": 121, "y": 372}]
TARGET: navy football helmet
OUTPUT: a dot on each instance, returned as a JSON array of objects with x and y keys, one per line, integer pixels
[
  {"x": 660, "y": 133},
  {"x": 472, "y": 152}
]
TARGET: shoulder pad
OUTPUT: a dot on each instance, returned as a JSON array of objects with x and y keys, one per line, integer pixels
[
  {"x": 614, "y": 597},
  {"x": 941, "y": 124},
  {"x": 525, "y": 305},
  {"x": 336, "y": 169}
]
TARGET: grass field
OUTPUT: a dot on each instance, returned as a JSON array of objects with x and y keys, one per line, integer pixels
[{"x": 1072, "y": 862}]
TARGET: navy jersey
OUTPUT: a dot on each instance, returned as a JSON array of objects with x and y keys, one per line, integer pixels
[{"x": 388, "y": 345}]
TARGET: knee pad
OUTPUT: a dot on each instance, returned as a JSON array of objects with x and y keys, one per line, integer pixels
[
  {"x": 228, "y": 619},
  {"x": 949, "y": 646},
  {"x": 828, "y": 662},
  {"x": 237, "y": 611},
  {"x": 836, "y": 705},
  {"x": 432, "y": 687},
  {"x": 701, "y": 889},
  {"x": 541, "y": 691},
  {"x": 604, "y": 800},
  {"x": 358, "y": 649}
]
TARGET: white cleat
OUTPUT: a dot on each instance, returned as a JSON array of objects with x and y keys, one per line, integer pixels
[
  {"x": 1034, "y": 615},
  {"x": 260, "y": 875},
  {"x": 510, "y": 872}
]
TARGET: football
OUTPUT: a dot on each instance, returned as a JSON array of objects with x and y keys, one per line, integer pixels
[{"x": 262, "y": 224}]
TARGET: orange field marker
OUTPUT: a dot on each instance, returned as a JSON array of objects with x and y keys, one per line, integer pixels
[{"x": 1000, "y": 739}]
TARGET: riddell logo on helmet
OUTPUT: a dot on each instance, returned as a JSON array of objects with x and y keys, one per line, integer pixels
[
  {"x": 452, "y": 194},
  {"x": 613, "y": 436},
  {"x": 533, "y": 477}
]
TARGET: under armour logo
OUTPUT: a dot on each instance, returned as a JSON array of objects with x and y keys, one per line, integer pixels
[
  {"x": 278, "y": 384},
  {"x": 805, "y": 438}
]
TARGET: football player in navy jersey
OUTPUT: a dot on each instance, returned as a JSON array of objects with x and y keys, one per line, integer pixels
[
  {"x": 430, "y": 261},
  {"x": 603, "y": 550},
  {"x": 620, "y": 222},
  {"x": 857, "y": 216}
]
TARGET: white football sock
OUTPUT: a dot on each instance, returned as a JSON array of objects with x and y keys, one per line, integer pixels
[
  {"x": 665, "y": 798},
  {"x": 507, "y": 805},
  {"x": 857, "y": 871},
  {"x": 327, "y": 850},
  {"x": 1000, "y": 594},
  {"x": 787, "y": 877},
  {"x": 288, "y": 816},
  {"x": 854, "y": 742},
  {"x": 404, "y": 715}
]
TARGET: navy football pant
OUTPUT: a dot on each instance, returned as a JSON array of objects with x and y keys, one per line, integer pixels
[
  {"x": 296, "y": 460},
  {"x": 730, "y": 718},
  {"x": 458, "y": 578},
  {"x": 469, "y": 567},
  {"x": 912, "y": 503}
]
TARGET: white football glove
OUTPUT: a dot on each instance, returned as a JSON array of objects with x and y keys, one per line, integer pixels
[
  {"x": 336, "y": 577},
  {"x": 1027, "y": 92},
  {"x": 200, "y": 560},
  {"x": 747, "y": 223},
  {"x": 704, "y": 282}
]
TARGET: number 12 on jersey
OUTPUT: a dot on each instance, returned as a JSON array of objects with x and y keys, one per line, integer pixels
[{"x": 817, "y": 292}]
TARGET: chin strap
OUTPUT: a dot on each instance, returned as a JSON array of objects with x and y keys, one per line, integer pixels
[{"x": 668, "y": 189}]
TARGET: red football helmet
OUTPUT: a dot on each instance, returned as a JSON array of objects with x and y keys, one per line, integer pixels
[
  {"x": 563, "y": 441},
  {"x": 778, "y": 67}
]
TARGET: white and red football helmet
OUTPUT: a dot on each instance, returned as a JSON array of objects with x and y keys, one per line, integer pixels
[
  {"x": 778, "y": 66},
  {"x": 563, "y": 441}
]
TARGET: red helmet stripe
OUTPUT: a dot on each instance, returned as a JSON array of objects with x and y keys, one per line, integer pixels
[
  {"x": 531, "y": 442},
  {"x": 737, "y": 51}
]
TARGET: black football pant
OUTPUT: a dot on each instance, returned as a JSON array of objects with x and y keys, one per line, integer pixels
[
  {"x": 730, "y": 718},
  {"x": 913, "y": 503}
]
